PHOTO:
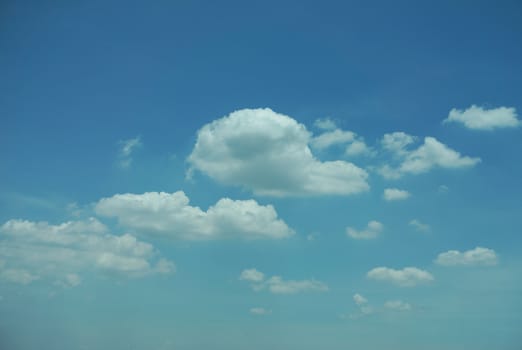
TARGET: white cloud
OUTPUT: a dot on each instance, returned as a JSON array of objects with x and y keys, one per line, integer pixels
[
  {"x": 333, "y": 137},
  {"x": 268, "y": 153},
  {"x": 18, "y": 276},
  {"x": 419, "y": 226},
  {"x": 397, "y": 142},
  {"x": 325, "y": 124},
  {"x": 477, "y": 256},
  {"x": 407, "y": 277},
  {"x": 357, "y": 148},
  {"x": 252, "y": 275},
  {"x": 127, "y": 147},
  {"x": 277, "y": 285},
  {"x": 397, "y": 305},
  {"x": 33, "y": 249},
  {"x": 431, "y": 154},
  {"x": 478, "y": 118},
  {"x": 395, "y": 194},
  {"x": 260, "y": 311},
  {"x": 170, "y": 214},
  {"x": 373, "y": 229},
  {"x": 359, "y": 299}
]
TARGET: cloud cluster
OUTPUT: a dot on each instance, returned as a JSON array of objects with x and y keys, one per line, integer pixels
[
  {"x": 277, "y": 285},
  {"x": 407, "y": 277},
  {"x": 473, "y": 257},
  {"x": 478, "y": 118},
  {"x": 170, "y": 214},
  {"x": 431, "y": 154},
  {"x": 268, "y": 153},
  {"x": 372, "y": 230},
  {"x": 395, "y": 194},
  {"x": 34, "y": 250}
]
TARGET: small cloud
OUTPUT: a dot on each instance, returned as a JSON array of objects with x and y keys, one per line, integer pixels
[
  {"x": 419, "y": 226},
  {"x": 331, "y": 138},
  {"x": 478, "y": 118},
  {"x": 18, "y": 276},
  {"x": 127, "y": 147},
  {"x": 260, "y": 311},
  {"x": 359, "y": 299},
  {"x": 473, "y": 257},
  {"x": 407, "y": 277},
  {"x": 443, "y": 189},
  {"x": 394, "y": 194},
  {"x": 325, "y": 124},
  {"x": 373, "y": 229},
  {"x": 252, "y": 275},
  {"x": 397, "y": 305},
  {"x": 358, "y": 148},
  {"x": 277, "y": 285}
]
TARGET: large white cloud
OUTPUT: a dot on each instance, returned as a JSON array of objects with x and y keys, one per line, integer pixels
[
  {"x": 170, "y": 214},
  {"x": 268, "y": 153},
  {"x": 478, "y": 118},
  {"x": 372, "y": 230},
  {"x": 431, "y": 154},
  {"x": 477, "y": 256},
  {"x": 407, "y": 277},
  {"x": 31, "y": 250},
  {"x": 278, "y": 285}
]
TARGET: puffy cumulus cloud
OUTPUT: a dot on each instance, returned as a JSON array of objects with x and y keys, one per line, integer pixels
[
  {"x": 419, "y": 226},
  {"x": 407, "y": 277},
  {"x": 358, "y": 148},
  {"x": 252, "y": 275},
  {"x": 473, "y": 257},
  {"x": 127, "y": 147},
  {"x": 431, "y": 154},
  {"x": 170, "y": 214},
  {"x": 268, "y": 153},
  {"x": 260, "y": 311},
  {"x": 478, "y": 118},
  {"x": 277, "y": 285},
  {"x": 372, "y": 230},
  {"x": 397, "y": 305},
  {"x": 394, "y": 194},
  {"x": 397, "y": 142},
  {"x": 33, "y": 249}
]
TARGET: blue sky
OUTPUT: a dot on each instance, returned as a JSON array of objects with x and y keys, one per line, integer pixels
[{"x": 252, "y": 175}]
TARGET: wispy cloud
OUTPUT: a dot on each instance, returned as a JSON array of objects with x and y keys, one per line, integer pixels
[{"x": 127, "y": 147}]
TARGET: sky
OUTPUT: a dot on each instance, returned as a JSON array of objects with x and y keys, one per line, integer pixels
[{"x": 251, "y": 175}]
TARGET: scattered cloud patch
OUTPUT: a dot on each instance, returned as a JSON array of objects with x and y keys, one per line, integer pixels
[
  {"x": 252, "y": 275},
  {"x": 397, "y": 305},
  {"x": 431, "y": 154},
  {"x": 331, "y": 138},
  {"x": 395, "y": 194},
  {"x": 278, "y": 285},
  {"x": 260, "y": 311},
  {"x": 325, "y": 124},
  {"x": 372, "y": 230},
  {"x": 407, "y": 277},
  {"x": 419, "y": 226},
  {"x": 170, "y": 214},
  {"x": 358, "y": 148},
  {"x": 478, "y": 256},
  {"x": 268, "y": 153},
  {"x": 359, "y": 299},
  {"x": 127, "y": 147},
  {"x": 478, "y": 118},
  {"x": 38, "y": 249},
  {"x": 397, "y": 142},
  {"x": 443, "y": 189}
]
